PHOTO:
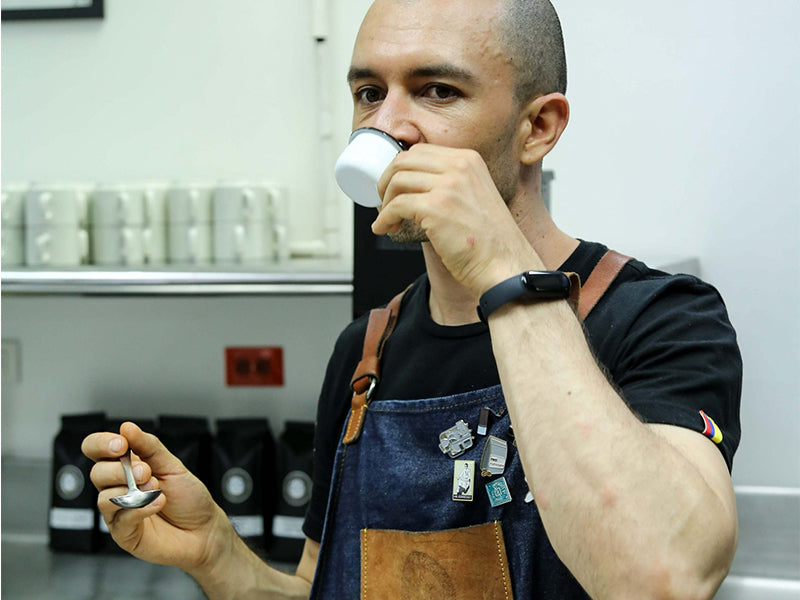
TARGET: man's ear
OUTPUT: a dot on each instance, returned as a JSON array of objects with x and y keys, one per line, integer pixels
[{"x": 543, "y": 121}]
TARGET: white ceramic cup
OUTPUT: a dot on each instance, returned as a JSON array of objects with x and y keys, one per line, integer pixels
[
  {"x": 363, "y": 161},
  {"x": 57, "y": 205},
  {"x": 279, "y": 216},
  {"x": 189, "y": 243},
  {"x": 236, "y": 242},
  {"x": 155, "y": 243},
  {"x": 189, "y": 204},
  {"x": 13, "y": 246},
  {"x": 244, "y": 203},
  {"x": 12, "y": 210},
  {"x": 118, "y": 245},
  {"x": 56, "y": 245},
  {"x": 155, "y": 202},
  {"x": 155, "y": 223},
  {"x": 117, "y": 206}
]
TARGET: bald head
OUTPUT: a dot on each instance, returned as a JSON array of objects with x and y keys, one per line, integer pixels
[{"x": 532, "y": 35}]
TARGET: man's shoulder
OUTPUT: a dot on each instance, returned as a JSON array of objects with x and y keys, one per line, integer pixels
[
  {"x": 642, "y": 294},
  {"x": 638, "y": 282}
]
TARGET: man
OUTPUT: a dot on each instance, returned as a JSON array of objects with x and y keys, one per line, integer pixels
[{"x": 629, "y": 498}]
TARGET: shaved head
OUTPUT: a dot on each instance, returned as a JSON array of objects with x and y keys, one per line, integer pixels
[{"x": 533, "y": 38}]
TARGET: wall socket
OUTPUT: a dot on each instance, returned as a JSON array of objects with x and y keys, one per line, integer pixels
[
  {"x": 12, "y": 361},
  {"x": 254, "y": 366}
]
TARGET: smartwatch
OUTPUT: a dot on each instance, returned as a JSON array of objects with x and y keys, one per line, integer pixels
[{"x": 531, "y": 286}]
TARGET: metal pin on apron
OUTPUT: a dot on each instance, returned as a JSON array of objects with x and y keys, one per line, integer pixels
[
  {"x": 493, "y": 459},
  {"x": 456, "y": 440},
  {"x": 463, "y": 480},
  {"x": 483, "y": 418},
  {"x": 498, "y": 492}
]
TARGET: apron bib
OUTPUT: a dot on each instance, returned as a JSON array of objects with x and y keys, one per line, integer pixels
[
  {"x": 394, "y": 529},
  {"x": 410, "y": 513}
]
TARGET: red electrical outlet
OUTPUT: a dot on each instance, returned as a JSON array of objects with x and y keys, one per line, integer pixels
[{"x": 254, "y": 365}]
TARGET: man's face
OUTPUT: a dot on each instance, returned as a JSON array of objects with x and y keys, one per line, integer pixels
[{"x": 435, "y": 71}]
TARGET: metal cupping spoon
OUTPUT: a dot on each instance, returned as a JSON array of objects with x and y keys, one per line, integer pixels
[{"x": 135, "y": 498}]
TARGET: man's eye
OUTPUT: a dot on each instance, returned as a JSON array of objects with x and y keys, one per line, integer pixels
[
  {"x": 441, "y": 92},
  {"x": 369, "y": 95}
]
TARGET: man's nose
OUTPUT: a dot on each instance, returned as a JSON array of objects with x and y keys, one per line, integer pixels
[{"x": 396, "y": 117}]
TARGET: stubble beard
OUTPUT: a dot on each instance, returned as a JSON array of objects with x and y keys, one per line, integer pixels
[{"x": 409, "y": 233}]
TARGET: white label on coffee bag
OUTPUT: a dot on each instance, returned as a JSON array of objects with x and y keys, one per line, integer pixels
[
  {"x": 77, "y": 519},
  {"x": 248, "y": 525},
  {"x": 288, "y": 527}
]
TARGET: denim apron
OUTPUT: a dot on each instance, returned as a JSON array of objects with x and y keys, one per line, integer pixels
[{"x": 395, "y": 477}]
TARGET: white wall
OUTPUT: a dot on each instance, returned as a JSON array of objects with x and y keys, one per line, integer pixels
[
  {"x": 143, "y": 357},
  {"x": 683, "y": 140}
]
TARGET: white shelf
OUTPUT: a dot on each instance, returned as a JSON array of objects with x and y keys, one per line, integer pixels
[{"x": 306, "y": 276}]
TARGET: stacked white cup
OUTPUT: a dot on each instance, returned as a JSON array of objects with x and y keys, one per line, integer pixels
[
  {"x": 279, "y": 212},
  {"x": 242, "y": 224},
  {"x": 155, "y": 223},
  {"x": 13, "y": 217},
  {"x": 56, "y": 219},
  {"x": 189, "y": 217},
  {"x": 117, "y": 225}
]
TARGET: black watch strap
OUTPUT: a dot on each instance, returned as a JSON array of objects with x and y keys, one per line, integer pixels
[{"x": 533, "y": 286}]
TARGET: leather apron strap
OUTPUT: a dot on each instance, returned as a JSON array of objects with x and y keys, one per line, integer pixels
[
  {"x": 368, "y": 371},
  {"x": 600, "y": 279},
  {"x": 383, "y": 320}
]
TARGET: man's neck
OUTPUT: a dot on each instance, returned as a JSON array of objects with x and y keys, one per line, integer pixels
[{"x": 451, "y": 303}]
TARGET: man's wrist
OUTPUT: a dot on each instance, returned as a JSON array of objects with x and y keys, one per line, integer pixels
[{"x": 222, "y": 547}]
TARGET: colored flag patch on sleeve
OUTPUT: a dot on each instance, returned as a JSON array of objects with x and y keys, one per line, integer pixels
[{"x": 711, "y": 430}]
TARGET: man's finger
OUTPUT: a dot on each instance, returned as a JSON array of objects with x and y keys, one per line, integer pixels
[
  {"x": 106, "y": 474},
  {"x": 150, "y": 449},
  {"x": 104, "y": 446}
]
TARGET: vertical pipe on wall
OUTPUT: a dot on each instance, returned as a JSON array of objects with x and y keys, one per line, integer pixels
[{"x": 330, "y": 243}]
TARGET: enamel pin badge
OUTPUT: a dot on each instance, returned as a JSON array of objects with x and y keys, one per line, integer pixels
[
  {"x": 493, "y": 459},
  {"x": 498, "y": 492},
  {"x": 463, "y": 480},
  {"x": 456, "y": 440}
]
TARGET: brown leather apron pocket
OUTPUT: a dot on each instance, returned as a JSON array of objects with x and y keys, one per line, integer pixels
[{"x": 462, "y": 564}]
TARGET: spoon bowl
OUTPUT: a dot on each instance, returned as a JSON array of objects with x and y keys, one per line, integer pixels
[{"x": 134, "y": 498}]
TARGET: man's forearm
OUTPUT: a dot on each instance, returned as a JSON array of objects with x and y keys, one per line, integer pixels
[
  {"x": 624, "y": 509},
  {"x": 237, "y": 573}
]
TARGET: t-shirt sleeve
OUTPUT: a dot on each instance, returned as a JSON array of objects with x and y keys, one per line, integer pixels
[{"x": 679, "y": 363}]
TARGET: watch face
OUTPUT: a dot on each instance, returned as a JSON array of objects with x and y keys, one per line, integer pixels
[{"x": 547, "y": 284}]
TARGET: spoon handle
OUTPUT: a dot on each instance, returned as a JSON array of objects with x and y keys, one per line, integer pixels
[{"x": 126, "y": 466}]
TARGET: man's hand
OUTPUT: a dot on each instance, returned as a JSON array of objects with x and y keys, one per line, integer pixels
[
  {"x": 183, "y": 527},
  {"x": 450, "y": 194}
]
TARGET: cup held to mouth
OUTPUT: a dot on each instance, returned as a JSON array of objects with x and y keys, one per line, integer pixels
[{"x": 363, "y": 161}]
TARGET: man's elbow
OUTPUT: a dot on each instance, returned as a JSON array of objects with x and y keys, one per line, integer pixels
[{"x": 691, "y": 576}]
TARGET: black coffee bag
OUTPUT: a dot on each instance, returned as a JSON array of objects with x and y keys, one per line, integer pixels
[
  {"x": 189, "y": 439},
  {"x": 243, "y": 476},
  {"x": 73, "y": 498},
  {"x": 294, "y": 454}
]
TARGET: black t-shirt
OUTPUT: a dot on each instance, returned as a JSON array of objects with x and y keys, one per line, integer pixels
[{"x": 664, "y": 340}]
